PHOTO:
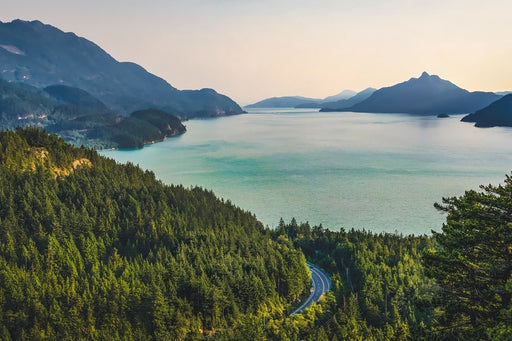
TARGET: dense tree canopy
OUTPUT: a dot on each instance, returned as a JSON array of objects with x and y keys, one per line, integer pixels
[
  {"x": 473, "y": 265},
  {"x": 376, "y": 281},
  {"x": 90, "y": 249}
]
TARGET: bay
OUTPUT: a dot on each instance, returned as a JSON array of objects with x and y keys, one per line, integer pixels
[{"x": 379, "y": 172}]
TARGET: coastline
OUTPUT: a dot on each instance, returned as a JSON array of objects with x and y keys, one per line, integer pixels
[{"x": 145, "y": 143}]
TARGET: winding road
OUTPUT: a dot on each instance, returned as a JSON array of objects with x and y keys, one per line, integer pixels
[{"x": 321, "y": 284}]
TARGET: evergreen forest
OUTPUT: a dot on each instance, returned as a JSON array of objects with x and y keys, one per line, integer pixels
[
  {"x": 90, "y": 249},
  {"x": 95, "y": 250}
]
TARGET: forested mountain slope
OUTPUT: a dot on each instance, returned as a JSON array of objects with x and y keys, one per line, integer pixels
[
  {"x": 377, "y": 282},
  {"x": 454, "y": 285},
  {"x": 82, "y": 119},
  {"x": 41, "y": 55},
  {"x": 90, "y": 249}
]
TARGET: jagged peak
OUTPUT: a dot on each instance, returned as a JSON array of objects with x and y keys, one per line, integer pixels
[
  {"x": 425, "y": 76},
  {"x": 27, "y": 22}
]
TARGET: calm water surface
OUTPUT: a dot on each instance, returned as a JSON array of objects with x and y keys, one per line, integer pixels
[{"x": 380, "y": 172}]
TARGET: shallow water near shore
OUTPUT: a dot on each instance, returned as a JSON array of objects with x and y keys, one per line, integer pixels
[{"x": 379, "y": 172}]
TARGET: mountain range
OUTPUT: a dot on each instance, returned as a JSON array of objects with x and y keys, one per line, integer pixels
[
  {"x": 81, "y": 118},
  {"x": 299, "y": 101},
  {"x": 58, "y": 77},
  {"x": 42, "y": 55},
  {"x": 346, "y": 103},
  {"x": 426, "y": 95}
]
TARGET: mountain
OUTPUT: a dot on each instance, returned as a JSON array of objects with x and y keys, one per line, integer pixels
[
  {"x": 282, "y": 102},
  {"x": 42, "y": 55},
  {"x": 345, "y": 94},
  {"x": 94, "y": 250},
  {"x": 346, "y": 103},
  {"x": 82, "y": 119},
  {"x": 426, "y": 95},
  {"x": 498, "y": 113},
  {"x": 77, "y": 97},
  {"x": 299, "y": 102},
  {"x": 22, "y": 105},
  {"x": 140, "y": 128}
]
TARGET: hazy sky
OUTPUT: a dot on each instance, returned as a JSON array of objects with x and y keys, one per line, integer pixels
[{"x": 253, "y": 49}]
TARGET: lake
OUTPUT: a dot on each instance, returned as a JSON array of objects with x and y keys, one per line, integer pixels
[{"x": 379, "y": 172}]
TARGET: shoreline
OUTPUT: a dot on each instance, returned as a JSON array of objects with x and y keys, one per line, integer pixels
[{"x": 145, "y": 143}]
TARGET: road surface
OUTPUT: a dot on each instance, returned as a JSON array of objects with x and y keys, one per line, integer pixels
[{"x": 321, "y": 284}]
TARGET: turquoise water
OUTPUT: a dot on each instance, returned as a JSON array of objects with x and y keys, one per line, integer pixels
[{"x": 380, "y": 172}]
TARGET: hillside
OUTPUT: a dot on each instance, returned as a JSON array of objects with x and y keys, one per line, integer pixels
[
  {"x": 42, "y": 55},
  {"x": 426, "y": 95},
  {"x": 497, "y": 114},
  {"x": 346, "y": 103},
  {"x": 90, "y": 249},
  {"x": 282, "y": 102},
  {"x": 76, "y": 97},
  {"x": 140, "y": 128},
  {"x": 22, "y": 105},
  {"x": 300, "y": 102},
  {"x": 82, "y": 119},
  {"x": 345, "y": 94}
]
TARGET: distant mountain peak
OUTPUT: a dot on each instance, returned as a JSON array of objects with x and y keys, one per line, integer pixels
[
  {"x": 426, "y": 77},
  {"x": 345, "y": 94},
  {"x": 345, "y": 103},
  {"x": 40, "y": 55},
  {"x": 20, "y": 21},
  {"x": 426, "y": 95},
  {"x": 283, "y": 102},
  {"x": 29, "y": 23}
]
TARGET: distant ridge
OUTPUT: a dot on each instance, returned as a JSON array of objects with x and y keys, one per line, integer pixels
[
  {"x": 498, "y": 113},
  {"x": 426, "y": 95},
  {"x": 41, "y": 55},
  {"x": 77, "y": 97},
  {"x": 346, "y": 103},
  {"x": 345, "y": 94},
  {"x": 282, "y": 102},
  {"x": 299, "y": 101}
]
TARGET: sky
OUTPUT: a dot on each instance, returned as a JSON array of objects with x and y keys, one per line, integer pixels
[{"x": 254, "y": 49}]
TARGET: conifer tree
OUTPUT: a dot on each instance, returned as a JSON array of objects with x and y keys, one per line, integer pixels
[{"x": 473, "y": 263}]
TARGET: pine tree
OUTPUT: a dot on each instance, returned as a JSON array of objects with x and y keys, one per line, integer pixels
[{"x": 473, "y": 263}]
